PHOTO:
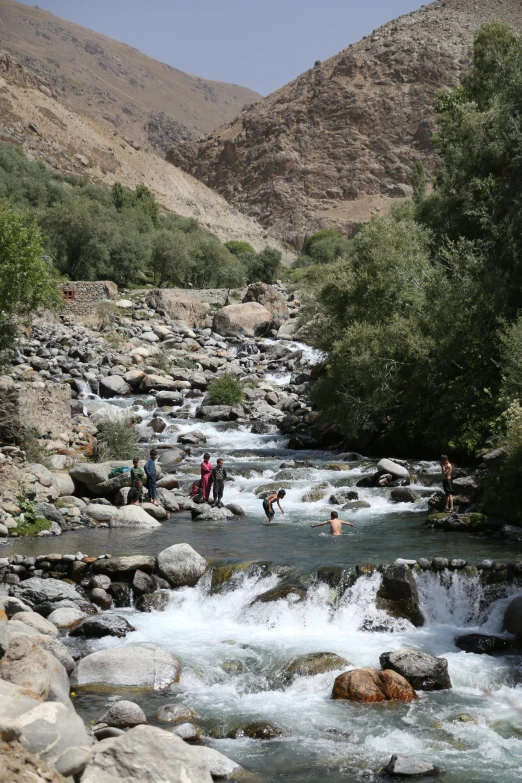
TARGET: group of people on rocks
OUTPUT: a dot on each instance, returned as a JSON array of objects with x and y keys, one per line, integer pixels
[{"x": 211, "y": 478}]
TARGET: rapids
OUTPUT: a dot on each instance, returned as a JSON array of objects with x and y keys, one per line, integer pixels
[{"x": 233, "y": 650}]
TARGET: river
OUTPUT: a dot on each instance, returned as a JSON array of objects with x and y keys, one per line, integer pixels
[{"x": 233, "y": 651}]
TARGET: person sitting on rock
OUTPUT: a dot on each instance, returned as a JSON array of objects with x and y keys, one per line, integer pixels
[
  {"x": 273, "y": 497},
  {"x": 447, "y": 482},
  {"x": 195, "y": 493},
  {"x": 150, "y": 472},
  {"x": 335, "y": 524},
  {"x": 219, "y": 476},
  {"x": 133, "y": 498}
]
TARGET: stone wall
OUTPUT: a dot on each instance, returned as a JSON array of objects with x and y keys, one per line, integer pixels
[
  {"x": 45, "y": 406},
  {"x": 86, "y": 295}
]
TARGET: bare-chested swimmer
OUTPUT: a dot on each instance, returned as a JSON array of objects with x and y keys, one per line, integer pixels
[{"x": 335, "y": 524}]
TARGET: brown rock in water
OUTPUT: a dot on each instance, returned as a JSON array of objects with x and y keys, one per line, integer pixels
[{"x": 371, "y": 685}]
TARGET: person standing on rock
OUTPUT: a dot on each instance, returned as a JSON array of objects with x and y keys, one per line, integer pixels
[
  {"x": 219, "y": 476},
  {"x": 206, "y": 477},
  {"x": 335, "y": 524},
  {"x": 150, "y": 472},
  {"x": 268, "y": 507},
  {"x": 447, "y": 482}
]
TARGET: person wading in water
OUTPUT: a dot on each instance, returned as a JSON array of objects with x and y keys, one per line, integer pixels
[
  {"x": 447, "y": 482},
  {"x": 335, "y": 524},
  {"x": 273, "y": 497}
]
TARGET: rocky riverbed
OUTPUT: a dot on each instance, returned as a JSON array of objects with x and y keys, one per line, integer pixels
[{"x": 201, "y": 639}]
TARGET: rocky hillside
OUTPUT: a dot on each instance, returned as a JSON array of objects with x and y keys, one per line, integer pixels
[
  {"x": 337, "y": 144},
  {"x": 114, "y": 83},
  {"x": 32, "y": 117}
]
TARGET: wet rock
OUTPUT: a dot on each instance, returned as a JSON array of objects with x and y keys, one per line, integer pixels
[
  {"x": 356, "y": 505},
  {"x": 123, "y": 715},
  {"x": 194, "y": 437},
  {"x": 101, "y": 598},
  {"x": 315, "y": 494},
  {"x": 370, "y": 685},
  {"x": 206, "y": 513},
  {"x": 513, "y": 617},
  {"x": 403, "y": 495},
  {"x": 125, "y": 564},
  {"x": 165, "y": 757},
  {"x": 424, "y": 672},
  {"x": 121, "y": 593},
  {"x": 342, "y": 496},
  {"x": 188, "y": 732},
  {"x": 143, "y": 583},
  {"x": 409, "y": 767},
  {"x": 398, "y": 594},
  {"x": 35, "y": 591},
  {"x": 235, "y": 509},
  {"x": 258, "y": 730},
  {"x": 313, "y": 663},
  {"x": 439, "y": 563},
  {"x": 101, "y": 513},
  {"x": 103, "y": 625},
  {"x": 156, "y": 512},
  {"x": 153, "y": 602},
  {"x": 293, "y": 593},
  {"x": 144, "y": 666},
  {"x": 481, "y": 644},
  {"x": 174, "y": 713},
  {"x": 113, "y": 385},
  {"x": 181, "y": 565}
]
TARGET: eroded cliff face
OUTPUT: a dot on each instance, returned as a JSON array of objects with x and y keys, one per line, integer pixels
[{"x": 337, "y": 144}]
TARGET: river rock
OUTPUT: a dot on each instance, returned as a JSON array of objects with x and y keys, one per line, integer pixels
[
  {"x": 168, "y": 482},
  {"x": 370, "y": 685},
  {"x": 156, "y": 512},
  {"x": 290, "y": 592},
  {"x": 342, "y": 496},
  {"x": 313, "y": 663},
  {"x": 205, "y": 513},
  {"x": 356, "y": 505},
  {"x": 143, "y": 583},
  {"x": 409, "y": 767},
  {"x": 242, "y": 320},
  {"x": 67, "y": 617},
  {"x": 63, "y": 483},
  {"x": 126, "y": 564},
  {"x": 398, "y": 594},
  {"x": 103, "y": 625},
  {"x": 188, "y": 732},
  {"x": 134, "y": 517},
  {"x": 146, "y": 667},
  {"x": 424, "y": 672},
  {"x": 192, "y": 438},
  {"x": 270, "y": 298},
  {"x": 148, "y": 754},
  {"x": 174, "y": 713},
  {"x": 481, "y": 644},
  {"x": 396, "y": 470},
  {"x": 220, "y": 766},
  {"x": 101, "y": 513},
  {"x": 28, "y": 664},
  {"x": 92, "y": 474},
  {"x": 181, "y": 565},
  {"x": 236, "y": 510},
  {"x": 37, "y": 622},
  {"x": 403, "y": 495},
  {"x": 11, "y": 605},
  {"x": 35, "y": 591},
  {"x": 57, "y": 734},
  {"x": 257, "y": 730},
  {"x": 123, "y": 715},
  {"x": 179, "y": 305},
  {"x": 153, "y": 602},
  {"x": 113, "y": 386},
  {"x": 513, "y": 617},
  {"x": 101, "y": 598}
]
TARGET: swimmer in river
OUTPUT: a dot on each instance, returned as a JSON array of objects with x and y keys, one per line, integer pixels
[
  {"x": 335, "y": 524},
  {"x": 271, "y": 498}
]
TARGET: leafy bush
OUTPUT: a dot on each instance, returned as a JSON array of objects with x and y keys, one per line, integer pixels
[
  {"x": 34, "y": 527},
  {"x": 239, "y": 248},
  {"x": 225, "y": 390},
  {"x": 106, "y": 312},
  {"x": 117, "y": 438}
]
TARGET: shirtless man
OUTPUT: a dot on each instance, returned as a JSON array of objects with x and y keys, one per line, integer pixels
[
  {"x": 268, "y": 508},
  {"x": 447, "y": 482},
  {"x": 335, "y": 524}
]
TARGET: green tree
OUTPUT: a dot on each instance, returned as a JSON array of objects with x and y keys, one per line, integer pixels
[
  {"x": 418, "y": 181},
  {"x": 170, "y": 258},
  {"x": 239, "y": 248},
  {"x": 264, "y": 267}
]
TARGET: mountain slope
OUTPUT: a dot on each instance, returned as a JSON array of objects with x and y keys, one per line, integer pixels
[
  {"x": 337, "y": 144},
  {"x": 112, "y": 82},
  {"x": 32, "y": 118}
]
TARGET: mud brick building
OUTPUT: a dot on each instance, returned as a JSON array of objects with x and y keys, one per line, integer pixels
[{"x": 81, "y": 297}]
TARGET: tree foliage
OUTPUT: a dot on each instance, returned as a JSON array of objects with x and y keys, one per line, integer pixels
[{"x": 420, "y": 315}]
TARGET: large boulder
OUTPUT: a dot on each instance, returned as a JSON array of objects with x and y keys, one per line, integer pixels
[
  {"x": 145, "y": 667},
  {"x": 396, "y": 470},
  {"x": 219, "y": 765},
  {"x": 410, "y": 767},
  {"x": 481, "y": 644},
  {"x": 100, "y": 512},
  {"x": 38, "y": 623},
  {"x": 513, "y": 617},
  {"x": 135, "y": 517},
  {"x": 103, "y": 625},
  {"x": 126, "y": 564},
  {"x": 269, "y": 297},
  {"x": 424, "y": 672},
  {"x": 242, "y": 320},
  {"x": 113, "y": 386},
  {"x": 179, "y": 305},
  {"x": 57, "y": 734},
  {"x": 147, "y": 754},
  {"x": 124, "y": 714},
  {"x": 91, "y": 474},
  {"x": 36, "y": 591},
  {"x": 63, "y": 483},
  {"x": 181, "y": 565},
  {"x": 398, "y": 594},
  {"x": 370, "y": 685},
  {"x": 28, "y": 664}
]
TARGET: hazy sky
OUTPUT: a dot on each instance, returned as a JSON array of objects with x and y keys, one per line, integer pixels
[{"x": 261, "y": 44}]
